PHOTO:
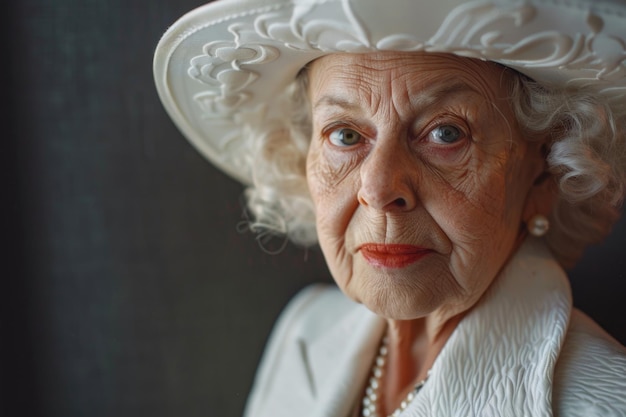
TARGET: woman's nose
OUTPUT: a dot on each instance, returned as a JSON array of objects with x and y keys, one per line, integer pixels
[{"x": 387, "y": 179}]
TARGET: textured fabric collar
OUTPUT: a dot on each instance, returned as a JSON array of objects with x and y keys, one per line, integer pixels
[{"x": 500, "y": 360}]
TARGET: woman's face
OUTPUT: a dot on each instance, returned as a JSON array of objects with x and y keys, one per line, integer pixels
[{"x": 420, "y": 178}]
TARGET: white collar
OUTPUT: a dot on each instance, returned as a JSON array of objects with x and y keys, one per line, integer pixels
[{"x": 500, "y": 359}]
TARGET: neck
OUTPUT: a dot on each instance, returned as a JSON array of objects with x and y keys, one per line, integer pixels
[{"x": 413, "y": 346}]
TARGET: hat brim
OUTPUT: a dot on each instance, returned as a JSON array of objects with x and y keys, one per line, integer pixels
[{"x": 221, "y": 66}]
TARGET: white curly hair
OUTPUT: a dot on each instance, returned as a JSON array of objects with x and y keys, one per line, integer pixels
[{"x": 586, "y": 158}]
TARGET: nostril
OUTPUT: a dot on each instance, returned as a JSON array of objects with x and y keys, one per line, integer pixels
[{"x": 400, "y": 202}]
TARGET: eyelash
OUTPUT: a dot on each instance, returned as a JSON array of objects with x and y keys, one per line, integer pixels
[
  {"x": 339, "y": 126},
  {"x": 461, "y": 132},
  {"x": 344, "y": 130}
]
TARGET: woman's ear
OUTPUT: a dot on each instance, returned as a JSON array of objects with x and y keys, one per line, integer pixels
[{"x": 543, "y": 193}]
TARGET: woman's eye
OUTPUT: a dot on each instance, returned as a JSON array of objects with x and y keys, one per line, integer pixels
[
  {"x": 446, "y": 134},
  {"x": 344, "y": 137}
]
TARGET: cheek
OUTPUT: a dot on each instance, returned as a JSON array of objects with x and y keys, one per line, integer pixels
[
  {"x": 329, "y": 169},
  {"x": 320, "y": 181},
  {"x": 476, "y": 217},
  {"x": 335, "y": 204},
  {"x": 471, "y": 205},
  {"x": 493, "y": 191},
  {"x": 332, "y": 180},
  {"x": 332, "y": 195},
  {"x": 485, "y": 216}
]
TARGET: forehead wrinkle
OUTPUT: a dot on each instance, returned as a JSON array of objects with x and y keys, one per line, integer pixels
[
  {"x": 429, "y": 96},
  {"x": 357, "y": 81},
  {"x": 349, "y": 90},
  {"x": 457, "y": 76},
  {"x": 369, "y": 81}
]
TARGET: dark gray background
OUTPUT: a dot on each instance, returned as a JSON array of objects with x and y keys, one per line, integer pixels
[{"x": 127, "y": 289}]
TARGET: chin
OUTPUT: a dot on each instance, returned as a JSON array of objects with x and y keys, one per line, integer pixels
[{"x": 397, "y": 301}]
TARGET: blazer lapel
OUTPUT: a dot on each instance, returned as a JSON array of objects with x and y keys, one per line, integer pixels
[{"x": 338, "y": 360}]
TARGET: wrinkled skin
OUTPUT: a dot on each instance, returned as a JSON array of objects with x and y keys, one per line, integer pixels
[{"x": 419, "y": 149}]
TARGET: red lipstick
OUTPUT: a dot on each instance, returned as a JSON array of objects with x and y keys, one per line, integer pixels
[{"x": 392, "y": 256}]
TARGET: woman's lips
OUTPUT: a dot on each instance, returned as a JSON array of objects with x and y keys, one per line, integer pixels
[{"x": 392, "y": 256}]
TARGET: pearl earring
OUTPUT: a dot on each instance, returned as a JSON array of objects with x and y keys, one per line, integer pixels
[{"x": 538, "y": 225}]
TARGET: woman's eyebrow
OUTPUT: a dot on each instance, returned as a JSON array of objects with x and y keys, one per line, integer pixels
[
  {"x": 335, "y": 101},
  {"x": 439, "y": 93}
]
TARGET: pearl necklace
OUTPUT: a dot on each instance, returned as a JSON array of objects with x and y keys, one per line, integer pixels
[{"x": 370, "y": 399}]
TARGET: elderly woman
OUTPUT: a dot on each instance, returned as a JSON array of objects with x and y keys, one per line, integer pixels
[{"x": 451, "y": 158}]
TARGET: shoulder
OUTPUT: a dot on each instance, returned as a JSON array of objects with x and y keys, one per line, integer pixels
[
  {"x": 590, "y": 376},
  {"x": 307, "y": 313},
  {"x": 311, "y": 311}
]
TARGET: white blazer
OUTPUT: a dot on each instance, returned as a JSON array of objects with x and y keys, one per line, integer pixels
[{"x": 522, "y": 351}]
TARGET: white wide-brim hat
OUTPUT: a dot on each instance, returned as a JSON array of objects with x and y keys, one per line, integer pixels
[{"x": 225, "y": 63}]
